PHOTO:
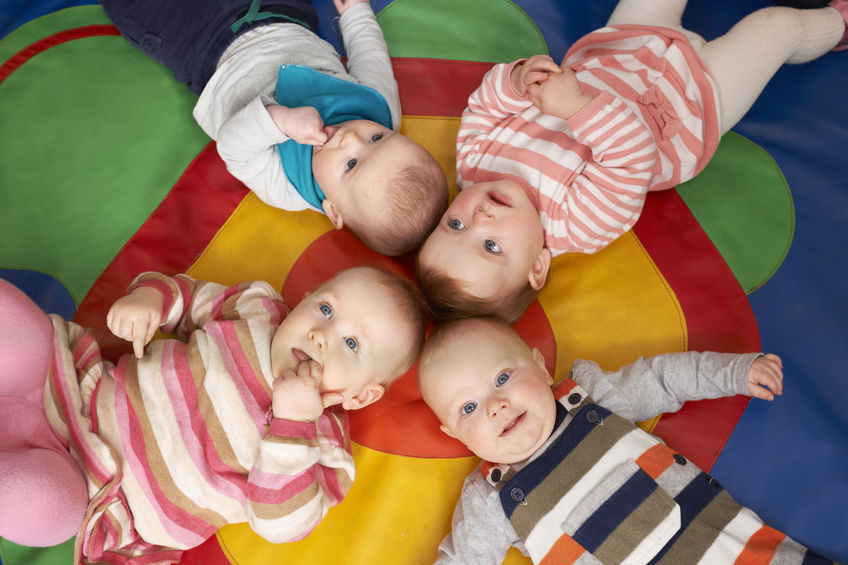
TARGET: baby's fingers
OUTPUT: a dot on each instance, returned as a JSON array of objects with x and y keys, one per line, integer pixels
[
  {"x": 759, "y": 392},
  {"x": 766, "y": 382},
  {"x": 772, "y": 379},
  {"x": 542, "y": 63},
  {"x": 776, "y": 360},
  {"x": 142, "y": 333},
  {"x": 331, "y": 399},
  {"x": 533, "y": 77},
  {"x": 534, "y": 94},
  {"x": 317, "y": 138}
]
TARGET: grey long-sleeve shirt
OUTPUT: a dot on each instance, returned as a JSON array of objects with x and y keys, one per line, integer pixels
[{"x": 482, "y": 534}]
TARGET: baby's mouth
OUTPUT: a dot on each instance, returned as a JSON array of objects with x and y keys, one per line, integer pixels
[
  {"x": 498, "y": 199},
  {"x": 330, "y": 131},
  {"x": 514, "y": 424},
  {"x": 300, "y": 356}
]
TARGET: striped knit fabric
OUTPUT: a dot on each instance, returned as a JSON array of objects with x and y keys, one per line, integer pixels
[
  {"x": 181, "y": 442},
  {"x": 606, "y": 491},
  {"x": 652, "y": 125}
]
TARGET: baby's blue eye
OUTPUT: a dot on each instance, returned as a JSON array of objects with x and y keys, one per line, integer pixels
[
  {"x": 376, "y": 137},
  {"x": 469, "y": 407},
  {"x": 456, "y": 224},
  {"x": 350, "y": 165},
  {"x": 492, "y": 247},
  {"x": 502, "y": 378},
  {"x": 351, "y": 343},
  {"x": 326, "y": 310}
]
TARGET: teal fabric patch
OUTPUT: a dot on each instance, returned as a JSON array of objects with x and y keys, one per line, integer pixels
[{"x": 337, "y": 100}]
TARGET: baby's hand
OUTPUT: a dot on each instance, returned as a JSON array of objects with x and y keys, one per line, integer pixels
[
  {"x": 303, "y": 124},
  {"x": 766, "y": 371},
  {"x": 136, "y": 317},
  {"x": 534, "y": 70},
  {"x": 342, "y": 5},
  {"x": 297, "y": 396},
  {"x": 560, "y": 95}
]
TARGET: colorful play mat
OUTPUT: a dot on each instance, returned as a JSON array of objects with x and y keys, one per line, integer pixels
[{"x": 104, "y": 173}]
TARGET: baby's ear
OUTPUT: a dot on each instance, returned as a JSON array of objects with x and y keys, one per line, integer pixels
[
  {"x": 539, "y": 359},
  {"x": 333, "y": 213},
  {"x": 368, "y": 395},
  {"x": 447, "y": 431},
  {"x": 539, "y": 271}
]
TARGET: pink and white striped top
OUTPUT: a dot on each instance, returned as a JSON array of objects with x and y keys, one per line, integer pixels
[
  {"x": 182, "y": 442},
  {"x": 652, "y": 125}
]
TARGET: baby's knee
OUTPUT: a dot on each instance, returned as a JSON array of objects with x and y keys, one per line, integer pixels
[
  {"x": 47, "y": 495},
  {"x": 26, "y": 342},
  {"x": 780, "y": 20}
]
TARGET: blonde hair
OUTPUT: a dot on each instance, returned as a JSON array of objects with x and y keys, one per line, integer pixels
[
  {"x": 448, "y": 299},
  {"x": 409, "y": 209},
  {"x": 442, "y": 333},
  {"x": 411, "y": 308}
]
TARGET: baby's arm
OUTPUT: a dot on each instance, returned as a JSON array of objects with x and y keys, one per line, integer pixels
[
  {"x": 654, "y": 385},
  {"x": 247, "y": 143},
  {"x": 492, "y": 102},
  {"x": 480, "y": 532},
  {"x": 182, "y": 304},
  {"x": 303, "y": 469},
  {"x": 368, "y": 58}
]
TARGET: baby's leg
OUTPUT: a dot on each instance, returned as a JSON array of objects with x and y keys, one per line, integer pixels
[
  {"x": 43, "y": 497},
  {"x": 43, "y": 494},
  {"x": 665, "y": 13},
  {"x": 744, "y": 59},
  {"x": 189, "y": 36}
]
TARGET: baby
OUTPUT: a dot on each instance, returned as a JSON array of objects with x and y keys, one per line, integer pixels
[
  {"x": 567, "y": 477},
  {"x": 559, "y": 158},
  {"x": 291, "y": 122},
  {"x": 241, "y": 420}
]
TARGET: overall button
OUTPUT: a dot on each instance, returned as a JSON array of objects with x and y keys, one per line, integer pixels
[
  {"x": 679, "y": 459},
  {"x": 496, "y": 475},
  {"x": 574, "y": 398},
  {"x": 715, "y": 483},
  {"x": 516, "y": 494},
  {"x": 592, "y": 416}
]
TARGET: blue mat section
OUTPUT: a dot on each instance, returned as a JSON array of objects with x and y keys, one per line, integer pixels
[
  {"x": 786, "y": 459},
  {"x": 44, "y": 290}
]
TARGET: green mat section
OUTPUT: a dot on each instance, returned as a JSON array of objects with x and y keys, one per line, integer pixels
[
  {"x": 94, "y": 135},
  {"x": 464, "y": 30},
  {"x": 13, "y": 554},
  {"x": 755, "y": 232}
]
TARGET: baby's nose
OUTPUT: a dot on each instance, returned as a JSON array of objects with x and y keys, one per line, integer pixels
[
  {"x": 482, "y": 213},
  {"x": 317, "y": 337},
  {"x": 496, "y": 405}
]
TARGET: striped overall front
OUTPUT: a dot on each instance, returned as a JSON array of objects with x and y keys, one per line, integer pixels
[{"x": 605, "y": 490}]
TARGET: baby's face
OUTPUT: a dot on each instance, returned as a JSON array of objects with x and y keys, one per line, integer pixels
[
  {"x": 488, "y": 239},
  {"x": 354, "y": 166},
  {"x": 490, "y": 391},
  {"x": 350, "y": 329}
]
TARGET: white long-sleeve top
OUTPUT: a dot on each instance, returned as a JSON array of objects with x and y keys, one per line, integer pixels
[{"x": 231, "y": 108}]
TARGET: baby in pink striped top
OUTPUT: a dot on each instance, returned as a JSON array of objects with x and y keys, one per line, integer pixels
[
  {"x": 241, "y": 419},
  {"x": 559, "y": 158}
]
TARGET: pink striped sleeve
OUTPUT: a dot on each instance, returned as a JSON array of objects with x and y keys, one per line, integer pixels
[
  {"x": 605, "y": 199},
  {"x": 488, "y": 106},
  {"x": 303, "y": 469}
]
